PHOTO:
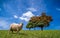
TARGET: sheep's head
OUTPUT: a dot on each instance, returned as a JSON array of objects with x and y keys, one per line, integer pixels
[{"x": 21, "y": 25}]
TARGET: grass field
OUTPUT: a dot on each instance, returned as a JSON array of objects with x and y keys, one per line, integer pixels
[{"x": 31, "y": 34}]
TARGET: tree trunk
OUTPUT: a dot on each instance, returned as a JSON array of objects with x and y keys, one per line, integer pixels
[{"x": 41, "y": 28}]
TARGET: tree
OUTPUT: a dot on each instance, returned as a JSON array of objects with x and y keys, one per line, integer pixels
[
  {"x": 41, "y": 21},
  {"x": 29, "y": 25},
  {"x": 41, "y": 24}
]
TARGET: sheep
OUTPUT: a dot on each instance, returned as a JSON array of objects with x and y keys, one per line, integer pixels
[{"x": 16, "y": 27}]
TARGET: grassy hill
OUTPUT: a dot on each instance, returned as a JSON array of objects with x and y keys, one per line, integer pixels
[{"x": 31, "y": 34}]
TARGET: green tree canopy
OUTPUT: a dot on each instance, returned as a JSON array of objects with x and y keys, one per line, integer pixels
[
  {"x": 29, "y": 25},
  {"x": 40, "y": 21}
]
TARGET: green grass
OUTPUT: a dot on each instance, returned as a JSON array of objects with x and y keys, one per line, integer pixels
[{"x": 31, "y": 34}]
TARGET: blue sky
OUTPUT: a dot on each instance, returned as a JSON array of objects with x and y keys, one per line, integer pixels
[{"x": 16, "y": 11}]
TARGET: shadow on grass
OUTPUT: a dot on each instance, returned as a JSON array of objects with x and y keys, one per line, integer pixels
[{"x": 20, "y": 33}]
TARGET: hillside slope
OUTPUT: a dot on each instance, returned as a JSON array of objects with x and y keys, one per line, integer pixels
[{"x": 30, "y": 34}]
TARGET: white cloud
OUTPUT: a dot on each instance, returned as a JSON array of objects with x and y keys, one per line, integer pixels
[
  {"x": 15, "y": 16},
  {"x": 4, "y": 24},
  {"x": 32, "y": 9},
  {"x": 25, "y": 19},
  {"x": 26, "y": 16}
]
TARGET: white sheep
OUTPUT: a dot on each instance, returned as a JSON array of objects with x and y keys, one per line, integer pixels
[{"x": 16, "y": 27}]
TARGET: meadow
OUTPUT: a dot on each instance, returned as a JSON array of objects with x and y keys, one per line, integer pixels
[{"x": 31, "y": 34}]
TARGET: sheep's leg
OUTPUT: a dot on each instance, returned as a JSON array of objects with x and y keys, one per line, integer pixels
[
  {"x": 12, "y": 31},
  {"x": 17, "y": 30}
]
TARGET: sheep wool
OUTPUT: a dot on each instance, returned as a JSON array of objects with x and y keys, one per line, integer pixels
[{"x": 16, "y": 27}]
